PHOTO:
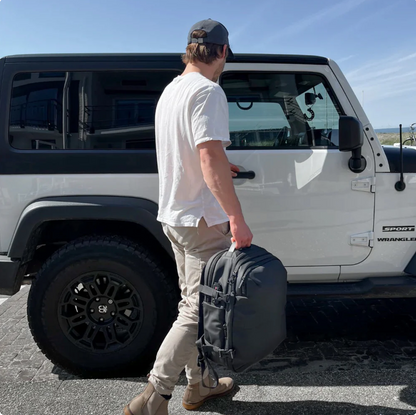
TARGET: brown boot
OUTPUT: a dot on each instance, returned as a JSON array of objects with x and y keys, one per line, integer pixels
[
  {"x": 149, "y": 402},
  {"x": 196, "y": 394}
]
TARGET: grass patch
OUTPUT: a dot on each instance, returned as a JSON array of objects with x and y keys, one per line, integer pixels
[{"x": 389, "y": 139}]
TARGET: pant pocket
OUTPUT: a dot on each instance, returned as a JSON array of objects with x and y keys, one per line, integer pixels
[{"x": 225, "y": 228}]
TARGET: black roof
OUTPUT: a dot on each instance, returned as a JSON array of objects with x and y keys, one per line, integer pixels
[{"x": 163, "y": 57}]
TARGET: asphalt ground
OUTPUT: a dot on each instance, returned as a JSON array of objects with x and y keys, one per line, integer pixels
[{"x": 340, "y": 357}]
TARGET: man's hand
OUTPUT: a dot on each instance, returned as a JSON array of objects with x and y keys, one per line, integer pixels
[
  {"x": 242, "y": 235},
  {"x": 234, "y": 169}
]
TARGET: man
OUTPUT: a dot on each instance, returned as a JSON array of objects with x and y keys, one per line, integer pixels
[{"x": 198, "y": 207}]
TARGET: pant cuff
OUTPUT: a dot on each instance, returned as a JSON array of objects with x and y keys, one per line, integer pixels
[{"x": 160, "y": 389}]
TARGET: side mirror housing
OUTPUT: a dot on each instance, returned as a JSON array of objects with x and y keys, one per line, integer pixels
[
  {"x": 351, "y": 138},
  {"x": 351, "y": 135}
]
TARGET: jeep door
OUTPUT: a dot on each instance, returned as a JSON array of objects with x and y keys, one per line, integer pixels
[{"x": 304, "y": 204}]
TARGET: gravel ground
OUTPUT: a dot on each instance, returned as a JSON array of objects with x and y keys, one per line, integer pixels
[
  {"x": 367, "y": 392},
  {"x": 340, "y": 357}
]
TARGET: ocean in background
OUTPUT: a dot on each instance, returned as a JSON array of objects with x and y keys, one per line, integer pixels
[{"x": 392, "y": 130}]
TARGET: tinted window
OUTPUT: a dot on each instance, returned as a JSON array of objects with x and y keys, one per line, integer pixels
[
  {"x": 85, "y": 110},
  {"x": 280, "y": 110}
]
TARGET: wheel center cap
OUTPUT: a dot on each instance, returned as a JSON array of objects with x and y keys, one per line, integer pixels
[{"x": 102, "y": 309}]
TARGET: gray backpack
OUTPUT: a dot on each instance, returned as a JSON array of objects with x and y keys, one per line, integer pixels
[{"x": 242, "y": 315}]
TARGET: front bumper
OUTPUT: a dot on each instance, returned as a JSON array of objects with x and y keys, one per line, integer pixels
[{"x": 9, "y": 278}]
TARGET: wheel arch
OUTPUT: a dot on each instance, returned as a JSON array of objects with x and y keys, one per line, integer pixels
[{"x": 48, "y": 212}]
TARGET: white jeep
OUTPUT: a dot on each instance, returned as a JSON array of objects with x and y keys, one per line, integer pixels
[{"x": 79, "y": 192}]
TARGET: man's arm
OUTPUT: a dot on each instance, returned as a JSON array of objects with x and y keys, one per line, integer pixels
[{"x": 216, "y": 170}]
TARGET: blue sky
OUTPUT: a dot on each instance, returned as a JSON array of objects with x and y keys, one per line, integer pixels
[{"x": 373, "y": 41}]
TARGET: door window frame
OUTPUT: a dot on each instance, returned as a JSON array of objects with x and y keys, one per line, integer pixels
[{"x": 334, "y": 89}]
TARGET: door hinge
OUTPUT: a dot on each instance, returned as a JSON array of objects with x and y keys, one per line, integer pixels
[
  {"x": 367, "y": 184},
  {"x": 363, "y": 239}
]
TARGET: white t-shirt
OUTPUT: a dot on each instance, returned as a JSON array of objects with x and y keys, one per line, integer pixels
[{"x": 191, "y": 110}]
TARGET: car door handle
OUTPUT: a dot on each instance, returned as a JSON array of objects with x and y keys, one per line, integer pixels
[{"x": 245, "y": 175}]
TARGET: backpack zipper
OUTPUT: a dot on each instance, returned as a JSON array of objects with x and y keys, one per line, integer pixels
[
  {"x": 245, "y": 274},
  {"x": 236, "y": 290},
  {"x": 230, "y": 307},
  {"x": 237, "y": 265},
  {"x": 242, "y": 269},
  {"x": 211, "y": 265}
]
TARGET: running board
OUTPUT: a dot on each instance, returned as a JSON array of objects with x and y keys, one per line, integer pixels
[{"x": 377, "y": 287}]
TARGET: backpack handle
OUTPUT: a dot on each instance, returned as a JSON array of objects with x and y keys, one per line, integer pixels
[{"x": 229, "y": 253}]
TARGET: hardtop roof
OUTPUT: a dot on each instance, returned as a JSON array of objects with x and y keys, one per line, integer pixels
[{"x": 163, "y": 57}]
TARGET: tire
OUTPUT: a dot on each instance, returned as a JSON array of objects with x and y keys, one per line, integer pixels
[{"x": 101, "y": 306}]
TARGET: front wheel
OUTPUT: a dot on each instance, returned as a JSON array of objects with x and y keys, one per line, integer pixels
[{"x": 101, "y": 306}]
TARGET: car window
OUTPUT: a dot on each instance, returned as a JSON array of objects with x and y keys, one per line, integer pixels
[
  {"x": 271, "y": 110},
  {"x": 106, "y": 110},
  {"x": 254, "y": 124},
  {"x": 320, "y": 113}
]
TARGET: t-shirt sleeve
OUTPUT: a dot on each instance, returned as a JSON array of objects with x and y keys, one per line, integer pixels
[{"x": 210, "y": 117}]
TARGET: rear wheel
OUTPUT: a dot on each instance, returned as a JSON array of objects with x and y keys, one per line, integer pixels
[{"x": 101, "y": 306}]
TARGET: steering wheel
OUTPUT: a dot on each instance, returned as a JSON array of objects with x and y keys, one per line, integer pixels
[{"x": 250, "y": 104}]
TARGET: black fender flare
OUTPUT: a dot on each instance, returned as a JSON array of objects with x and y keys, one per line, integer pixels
[{"x": 128, "y": 209}]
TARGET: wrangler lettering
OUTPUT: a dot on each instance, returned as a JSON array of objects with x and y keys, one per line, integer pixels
[{"x": 396, "y": 239}]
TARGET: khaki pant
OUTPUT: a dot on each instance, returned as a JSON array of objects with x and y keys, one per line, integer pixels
[{"x": 192, "y": 248}]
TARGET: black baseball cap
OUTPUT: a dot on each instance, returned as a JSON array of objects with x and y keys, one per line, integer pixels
[{"x": 216, "y": 33}]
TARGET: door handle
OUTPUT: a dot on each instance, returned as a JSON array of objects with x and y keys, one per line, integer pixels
[{"x": 245, "y": 175}]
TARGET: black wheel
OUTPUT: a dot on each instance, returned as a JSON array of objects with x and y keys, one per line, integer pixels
[{"x": 101, "y": 306}]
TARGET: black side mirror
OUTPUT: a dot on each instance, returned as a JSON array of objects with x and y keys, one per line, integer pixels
[
  {"x": 351, "y": 135},
  {"x": 351, "y": 138}
]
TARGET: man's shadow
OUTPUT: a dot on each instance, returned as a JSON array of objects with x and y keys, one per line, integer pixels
[{"x": 229, "y": 406}]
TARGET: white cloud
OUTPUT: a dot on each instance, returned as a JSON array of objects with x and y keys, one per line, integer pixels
[
  {"x": 374, "y": 73},
  {"x": 407, "y": 58},
  {"x": 255, "y": 16},
  {"x": 394, "y": 81},
  {"x": 378, "y": 63},
  {"x": 346, "y": 58},
  {"x": 369, "y": 18},
  {"x": 337, "y": 10},
  {"x": 389, "y": 81},
  {"x": 388, "y": 87}
]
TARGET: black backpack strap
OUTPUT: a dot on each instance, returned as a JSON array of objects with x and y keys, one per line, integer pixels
[
  {"x": 204, "y": 363},
  {"x": 217, "y": 296},
  {"x": 204, "y": 289}
]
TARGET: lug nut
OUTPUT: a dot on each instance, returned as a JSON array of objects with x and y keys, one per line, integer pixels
[
  {"x": 92, "y": 310},
  {"x": 97, "y": 299},
  {"x": 110, "y": 301},
  {"x": 101, "y": 319},
  {"x": 113, "y": 313}
]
